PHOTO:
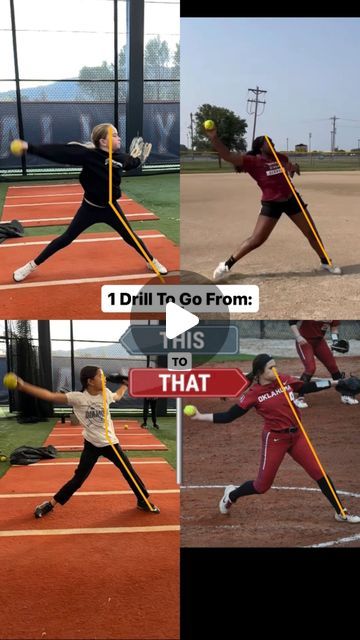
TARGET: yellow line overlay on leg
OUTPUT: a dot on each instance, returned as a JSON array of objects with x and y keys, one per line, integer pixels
[
  {"x": 308, "y": 441},
  {"x": 298, "y": 201},
  {"x": 105, "y": 406},
  {"x": 147, "y": 258}
]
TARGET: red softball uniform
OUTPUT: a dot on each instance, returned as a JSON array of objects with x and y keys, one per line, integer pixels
[
  {"x": 314, "y": 332},
  {"x": 270, "y": 402},
  {"x": 268, "y": 176},
  {"x": 316, "y": 328}
]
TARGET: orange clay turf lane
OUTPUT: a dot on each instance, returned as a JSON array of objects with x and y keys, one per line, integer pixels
[
  {"x": 70, "y": 438},
  {"x": 68, "y": 285},
  {"x": 47, "y": 208},
  {"x": 95, "y": 568}
]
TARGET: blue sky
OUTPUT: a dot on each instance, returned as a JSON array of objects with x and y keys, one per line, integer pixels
[{"x": 309, "y": 67}]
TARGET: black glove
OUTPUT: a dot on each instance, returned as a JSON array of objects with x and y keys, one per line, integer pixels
[
  {"x": 348, "y": 386},
  {"x": 341, "y": 346},
  {"x": 117, "y": 378}
]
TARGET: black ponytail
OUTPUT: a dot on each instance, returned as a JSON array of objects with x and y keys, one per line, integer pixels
[{"x": 256, "y": 146}]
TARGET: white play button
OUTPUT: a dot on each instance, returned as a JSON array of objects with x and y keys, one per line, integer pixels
[{"x": 178, "y": 320}]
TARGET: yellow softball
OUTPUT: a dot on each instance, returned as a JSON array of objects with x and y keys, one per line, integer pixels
[
  {"x": 209, "y": 124},
  {"x": 16, "y": 147},
  {"x": 10, "y": 380},
  {"x": 189, "y": 410}
]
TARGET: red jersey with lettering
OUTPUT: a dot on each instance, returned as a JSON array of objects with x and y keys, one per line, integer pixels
[
  {"x": 270, "y": 402},
  {"x": 310, "y": 329},
  {"x": 268, "y": 175}
]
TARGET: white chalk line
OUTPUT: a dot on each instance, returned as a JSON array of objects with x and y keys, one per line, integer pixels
[
  {"x": 85, "y": 493},
  {"x": 11, "y": 245},
  {"x": 56, "y": 283},
  {"x": 92, "y": 530},
  {"x": 330, "y": 543}
]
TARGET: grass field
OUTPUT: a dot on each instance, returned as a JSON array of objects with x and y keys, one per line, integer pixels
[
  {"x": 159, "y": 193},
  {"x": 14, "y": 434}
]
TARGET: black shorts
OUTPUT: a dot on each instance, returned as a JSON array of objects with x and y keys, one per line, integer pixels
[{"x": 273, "y": 209}]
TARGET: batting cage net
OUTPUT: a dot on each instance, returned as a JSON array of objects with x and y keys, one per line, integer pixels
[
  {"x": 113, "y": 61},
  {"x": 56, "y": 363}
]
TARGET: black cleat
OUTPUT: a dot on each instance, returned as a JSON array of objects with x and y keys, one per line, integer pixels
[
  {"x": 144, "y": 425},
  {"x": 43, "y": 509},
  {"x": 156, "y": 426},
  {"x": 144, "y": 507}
]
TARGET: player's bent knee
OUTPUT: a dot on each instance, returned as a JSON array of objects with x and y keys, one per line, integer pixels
[{"x": 262, "y": 487}]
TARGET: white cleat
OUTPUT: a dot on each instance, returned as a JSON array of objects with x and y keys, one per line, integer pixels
[
  {"x": 336, "y": 271},
  {"x": 300, "y": 403},
  {"x": 160, "y": 267},
  {"x": 225, "y": 502},
  {"x": 347, "y": 518},
  {"x": 23, "y": 272},
  {"x": 221, "y": 271},
  {"x": 349, "y": 400}
]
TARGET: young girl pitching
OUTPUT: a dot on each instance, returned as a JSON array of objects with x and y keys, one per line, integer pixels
[
  {"x": 88, "y": 408},
  {"x": 277, "y": 198},
  {"x": 94, "y": 178},
  {"x": 280, "y": 433}
]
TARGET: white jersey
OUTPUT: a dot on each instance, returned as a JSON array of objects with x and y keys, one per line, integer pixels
[{"x": 90, "y": 412}]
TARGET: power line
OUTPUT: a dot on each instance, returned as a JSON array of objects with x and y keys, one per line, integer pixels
[{"x": 255, "y": 101}]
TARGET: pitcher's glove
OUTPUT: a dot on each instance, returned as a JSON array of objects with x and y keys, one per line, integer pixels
[
  {"x": 140, "y": 149},
  {"x": 341, "y": 346},
  {"x": 117, "y": 378},
  {"x": 348, "y": 386}
]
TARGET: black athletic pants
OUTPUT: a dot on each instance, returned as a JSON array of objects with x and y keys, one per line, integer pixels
[
  {"x": 152, "y": 402},
  {"x": 88, "y": 459},
  {"x": 85, "y": 218}
]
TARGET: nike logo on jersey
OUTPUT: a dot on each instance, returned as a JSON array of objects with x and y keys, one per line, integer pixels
[{"x": 118, "y": 165}]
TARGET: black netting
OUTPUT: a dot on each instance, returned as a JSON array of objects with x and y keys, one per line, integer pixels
[{"x": 71, "y": 87}]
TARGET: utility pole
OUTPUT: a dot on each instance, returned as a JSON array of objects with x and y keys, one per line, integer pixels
[
  {"x": 255, "y": 101},
  {"x": 333, "y": 133},
  {"x": 287, "y": 144},
  {"x": 309, "y": 150},
  {"x": 191, "y": 127}
]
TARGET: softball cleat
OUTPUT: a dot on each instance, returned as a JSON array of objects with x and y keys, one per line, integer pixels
[
  {"x": 221, "y": 272},
  {"x": 300, "y": 403},
  {"x": 23, "y": 272},
  {"x": 225, "y": 502},
  {"x": 347, "y": 518},
  {"x": 160, "y": 267},
  {"x": 333, "y": 269},
  {"x": 349, "y": 400},
  {"x": 43, "y": 509}
]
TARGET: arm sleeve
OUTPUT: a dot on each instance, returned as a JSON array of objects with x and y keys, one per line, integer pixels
[
  {"x": 64, "y": 153},
  {"x": 229, "y": 416},
  {"x": 127, "y": 161},
  {"x": 313, "y": 387}
]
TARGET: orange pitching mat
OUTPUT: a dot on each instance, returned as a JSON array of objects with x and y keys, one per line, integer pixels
[
  {"x": 48, "y": 205},
  {"x": 68, "y": 285},
  {"x": 69, "y": 438},
  {"x": 96, "y": 567}
]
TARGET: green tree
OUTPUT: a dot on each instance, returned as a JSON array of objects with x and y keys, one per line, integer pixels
[{"x": 230, "y": 127}]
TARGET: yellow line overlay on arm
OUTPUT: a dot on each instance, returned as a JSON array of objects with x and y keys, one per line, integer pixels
[
  {"x": 105, "y": 408},
  {"x": 308, "y": 441},
  {"x": 147, "y": 258},
  {"x": 298, "y": 201}
]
